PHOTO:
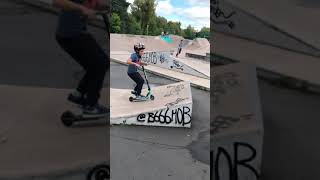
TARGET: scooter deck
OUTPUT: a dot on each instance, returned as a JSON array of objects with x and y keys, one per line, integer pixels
[{"x": 68, "y": 118}]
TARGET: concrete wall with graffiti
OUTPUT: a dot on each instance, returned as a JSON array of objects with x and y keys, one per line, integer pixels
[
  {"x": 172, "y": 107},
  {"x": 236, "y": 127},
  {"x": 164, "y": 60}
]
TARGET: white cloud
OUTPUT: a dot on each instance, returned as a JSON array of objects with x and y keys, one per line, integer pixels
[
  {"x": 164, "y": 7},
  {"x": 197, "y": 14},
  {"x": 199, "y": 2}
]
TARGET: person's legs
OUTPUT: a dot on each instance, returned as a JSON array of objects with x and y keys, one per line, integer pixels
[
  {"x": 87, "y": 52},
  {"x": 76, "y": 49},
  {"x": 96, "y": 70},
  {"x": 136, "y": 77}
]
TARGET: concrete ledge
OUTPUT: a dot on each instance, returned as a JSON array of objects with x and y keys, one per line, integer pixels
[
  {"x": 198, "y": 56},
  {"x": 172, "y": 107},
  {"x": 237, "y": 126}
]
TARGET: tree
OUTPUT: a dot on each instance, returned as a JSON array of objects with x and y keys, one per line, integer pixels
[
  {"x": 204, "y": 33},
  {"x": 190, "y": 32},
  {"x": 143, "y": 11},
  {"x": 115, "y": 23},
  {"x": 120, "y": 7},
  {"x": 133, "y": 26},
  {"x": 161, "y": 23}
]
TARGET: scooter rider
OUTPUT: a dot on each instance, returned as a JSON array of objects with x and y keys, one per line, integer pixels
[
  {"x": 73, "y": 38},
  {"x": 134, "y": 63}
]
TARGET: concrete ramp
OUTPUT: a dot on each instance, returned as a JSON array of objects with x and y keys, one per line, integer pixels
[
  {"x": 172, "y": 107},
  {"x": 164, "y": 60},
  {"x": 267, "y": 23}
]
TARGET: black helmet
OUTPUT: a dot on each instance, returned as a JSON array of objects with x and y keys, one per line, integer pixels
[{"x": 138, "y": 47}]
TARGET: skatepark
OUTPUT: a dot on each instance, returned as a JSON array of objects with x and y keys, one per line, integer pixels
[
  {"x": 173, "y": 125},
  {"x": 36, "y": 145},
  {"x": 36, "y": 77},
  {"x": 266, "y": 96}
]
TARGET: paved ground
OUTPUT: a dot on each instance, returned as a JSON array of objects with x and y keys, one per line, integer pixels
[{"x": 161, "y": 153}]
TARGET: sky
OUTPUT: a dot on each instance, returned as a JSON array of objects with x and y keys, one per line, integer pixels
[{"x": 193, "y": 12}]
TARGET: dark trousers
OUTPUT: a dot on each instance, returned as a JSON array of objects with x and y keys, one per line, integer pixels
[
  {"x": 136, "y": 77},
  {"x": 88, "y": 53}
]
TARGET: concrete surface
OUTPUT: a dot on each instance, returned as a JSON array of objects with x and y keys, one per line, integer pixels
[
  {"x": 35, "y": 77},
  {"x": 254, "y": 28},
  {"x": 164, "y": 60},
  {"x": 36, "y": 143},
  {"x": 172, "y": 107},
  {"x": 202, "y": 83},
  {"x": 121, "y": 43},
  {"x": 295, "y": 17},
  {"x": 159, "y": 152},
  {"x": 237, "y": 126},
  {"x": 271, "y": 59}
]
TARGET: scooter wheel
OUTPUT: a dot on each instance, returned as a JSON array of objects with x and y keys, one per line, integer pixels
[
  {"x": 67, "y": 118},
  {"x": 130, "y": 99},
  {"x": 99, "y": 172},
  {"x": 152, "y": 97}
]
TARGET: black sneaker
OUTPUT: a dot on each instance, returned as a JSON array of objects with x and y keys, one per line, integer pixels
[
  {"x": 78, "y": 100},
  {"x": 134, "y": 92},
  {"x": 95, "y": 111}
]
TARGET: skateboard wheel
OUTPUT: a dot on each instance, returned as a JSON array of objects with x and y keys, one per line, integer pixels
[
  {"x": 67, "y": 118},
  {"x": 130, "y": 99},
  {"x": 151, "y": 97}
]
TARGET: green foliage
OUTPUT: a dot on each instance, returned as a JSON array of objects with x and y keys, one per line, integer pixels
[
  {"x": 115, "y": 23},
  {"x": 189, "y": 32},
  {"x": 133, "y": 26},
  {"x": 204, "y": 33}
]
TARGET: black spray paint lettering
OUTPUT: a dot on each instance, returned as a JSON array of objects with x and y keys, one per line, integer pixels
[
  {"x": 150, "y": 57},
  {"x": 216, "y": 161},
  {"x": 162, "y": 58},
  {"x": 177, "y": 65},
  {"x": 223, "y": 83},
  {"x": 154, "y": 57},
  {"x": 178, "y": 116},
  {"x": 178, "y": 100},
  {"x": 174, "y": 90},
  {"x": 223, "y": 122},
  {"x": 217, "y": 14}
]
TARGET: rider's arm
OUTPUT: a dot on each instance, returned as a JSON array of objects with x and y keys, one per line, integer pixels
[{"x": 129, "y": 61}]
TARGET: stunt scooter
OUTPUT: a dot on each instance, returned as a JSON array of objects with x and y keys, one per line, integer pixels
[
  {"x": 149, "y": 95},
  {"x": 68, "y": 118}
]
